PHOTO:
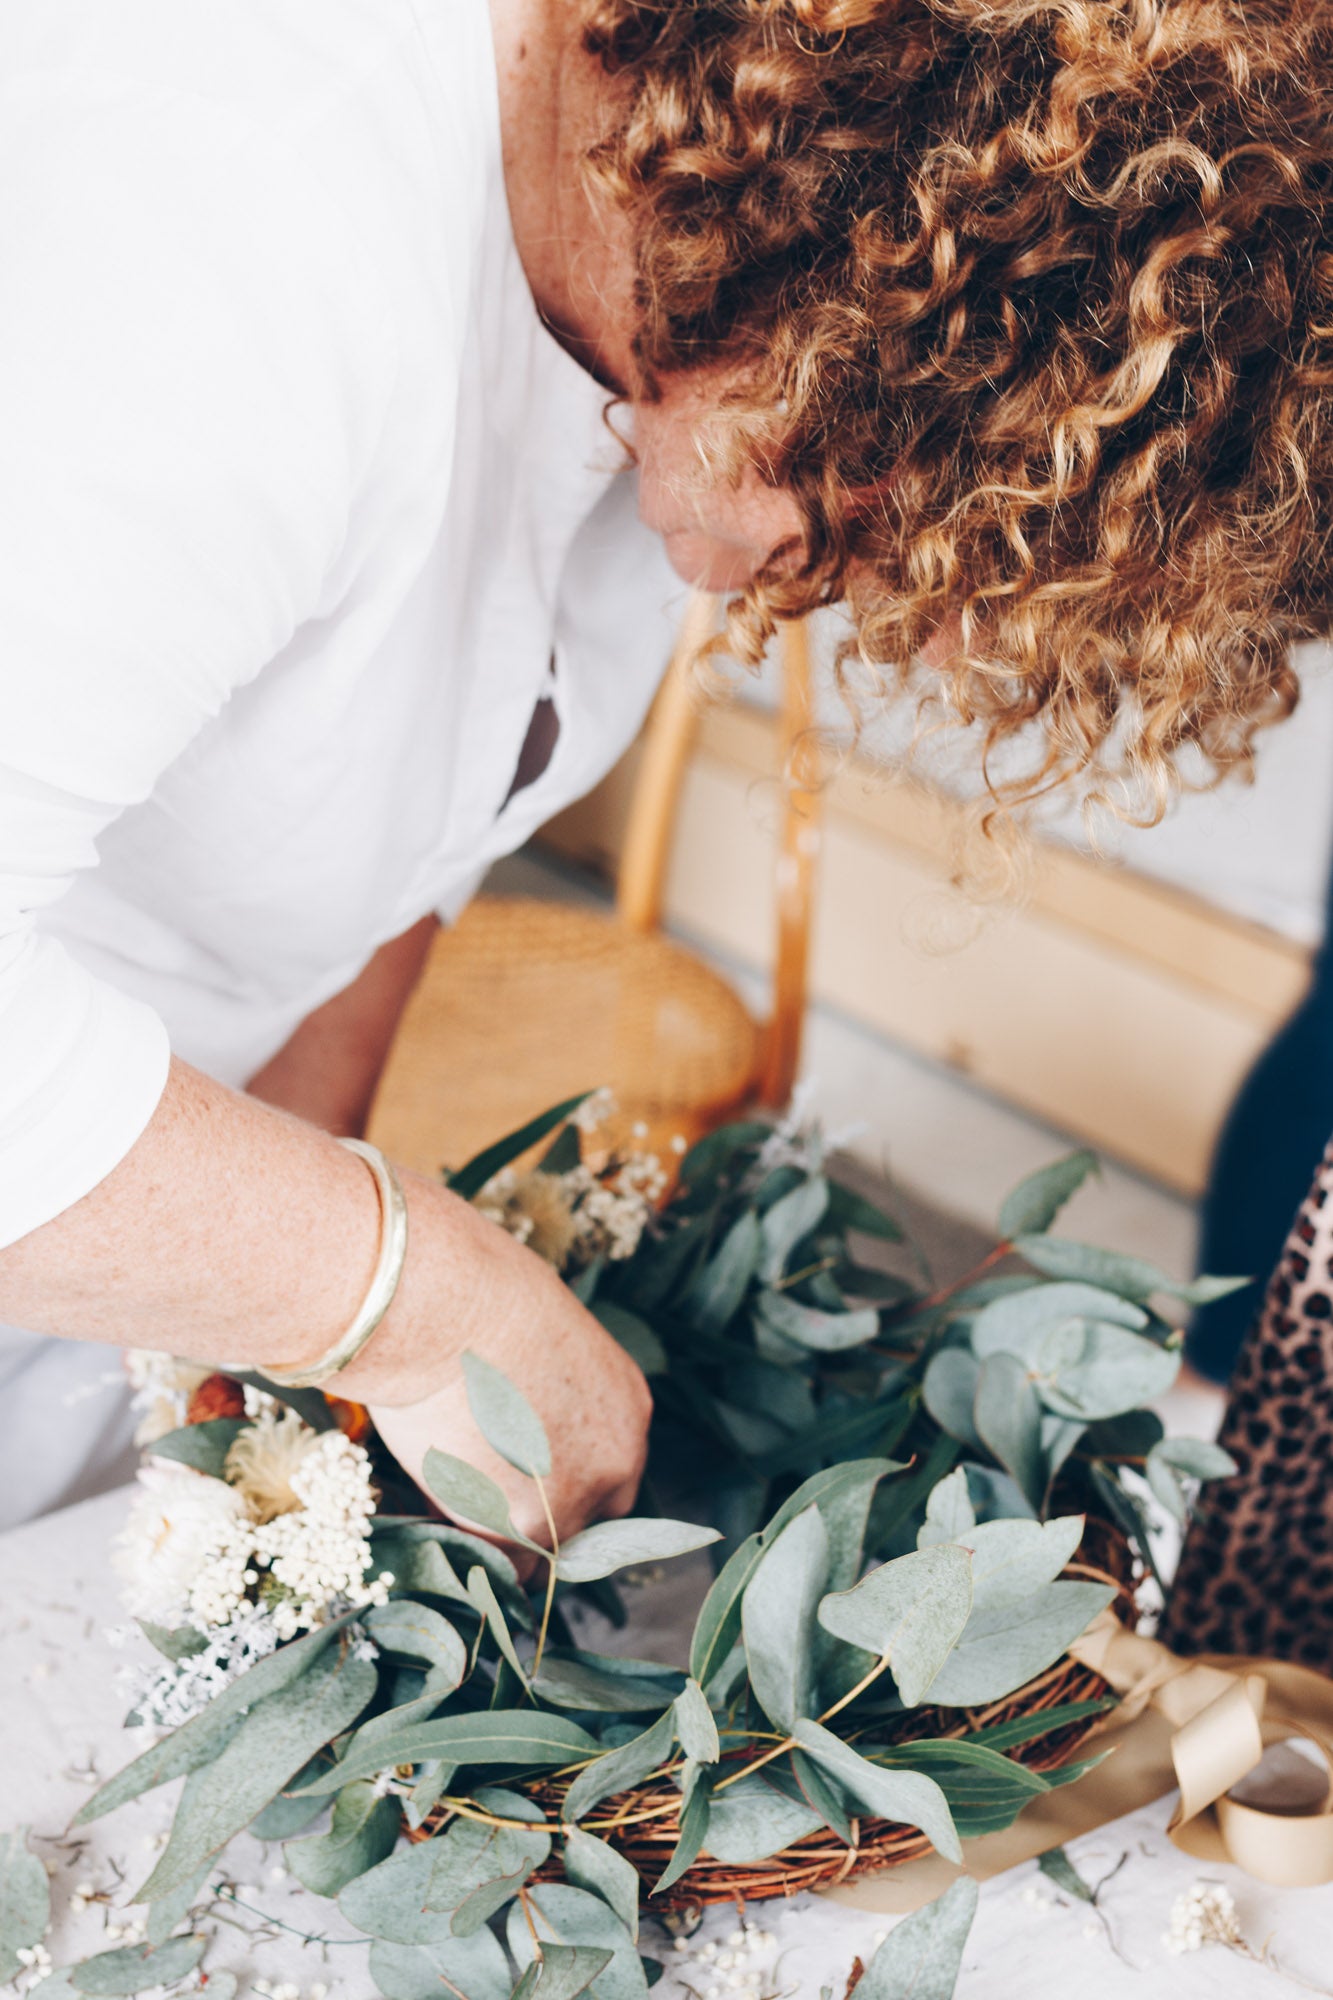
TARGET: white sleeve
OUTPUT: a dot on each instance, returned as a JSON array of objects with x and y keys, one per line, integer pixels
[{"x": 194, "y": 368}]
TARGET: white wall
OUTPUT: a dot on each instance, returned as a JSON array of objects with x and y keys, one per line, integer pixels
[{"x": 1259, "y": 851}]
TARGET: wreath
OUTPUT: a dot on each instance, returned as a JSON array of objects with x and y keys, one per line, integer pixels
[{"x": 913, "y": 1501}]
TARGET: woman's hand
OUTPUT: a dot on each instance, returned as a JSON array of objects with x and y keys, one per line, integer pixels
[
  {"x": 235, "y": 1229},
  {"x": 467, "y": 1286}
]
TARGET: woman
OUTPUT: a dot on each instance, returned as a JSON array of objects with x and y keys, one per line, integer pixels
[{"x": 1007, "y": 325}]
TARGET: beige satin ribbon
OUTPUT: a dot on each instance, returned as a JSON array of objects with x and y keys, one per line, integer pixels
[
  {"x": 1223, "y": 1715},
  {"x": 1201, "y": 1725}
]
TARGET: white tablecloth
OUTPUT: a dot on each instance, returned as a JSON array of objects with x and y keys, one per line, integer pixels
[{"x": 62, "y": 1707}]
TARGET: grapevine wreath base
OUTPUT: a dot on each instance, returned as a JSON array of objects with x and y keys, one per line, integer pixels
[{"x": 644, "y": 1824}]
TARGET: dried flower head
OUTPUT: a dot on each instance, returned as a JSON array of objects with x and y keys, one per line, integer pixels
[
  {"x": 1204, "y": 1914},
  {"x": 263, "y": 1463},
  {"x": 536, "y": 1208},
  {"x": 181, "y": 1528}
]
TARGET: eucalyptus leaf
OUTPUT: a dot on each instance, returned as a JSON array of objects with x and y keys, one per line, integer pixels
[
  {"x": 949, "y": 1390},
  {"x": 279, "y": 1735},
  {"x": 174, "y": 1642},
  {"x": 578, "y": 1683},
  {"x": 822, "y": 1332},
  {"x": 461, "y": 1489},
  {"x": 475, "y": 1966},
  {"x": 1008, "y": 1420},
  {"x": 472, "y": 1178},
  {"x": 416, "y": 1632},
  {"x": 25, "y": 1901},
  {"x": 506, "y": 1419},
  {"x": 593, "y": 1865},
  {"x": 1020, "y": 1322},
  {"x": 1013, "y": 1560},
  {"x": 824, "y": 1796},
  {"x": 134, "y": 1968},
  {"x": 719, "y": 1289},
  {"x": 169, "y": 1912},
  {"x": 481, "y": 1868},
  {"x": 1196, "y": 1458},
  {"x": 611, "y": 1545},
  {"x": 1036, "y": 1201},
  {"x": 949, "y": 1511},
  {"x": 391, "y": 1900},
  {"x": 1132, "y": 1277},
  {"x": 1003, "y": 1648},
  {"x": 788, "y": 1223},
  {"x": 287, "y": 1815},
  {"x": 908, "y": 1798},
  {"x": 563, "y": 1971},
  {"x": 203, "y": 1737},
  {"x": 910, "y": 1612},
  {"x": 1057, "y": 1867},
  {"x": 517, "y": 1736},
  {"x": 689, "y": 1843},
  {"x": 481, "y": 1591},
  {"x": 632, "y": 1332},
  {"x": 696, "y": 1729},
  {"x": 718, "y": 1624},
  {"x": 569, "y": 1916},
  {"x": 921, "y": 1956},
  {"x": 203, "y": 1447},
  {"x": 617, "y": 1770},
  {"x": 1167, "y": 1487},
  {"x": 778, "y": 1618},
  {"x": 1115, "y": 1372},
  {"x": 363, "y": 1832},
  {"x": 849, "y": 1210},
  {"x": 751, "y": 1820}
]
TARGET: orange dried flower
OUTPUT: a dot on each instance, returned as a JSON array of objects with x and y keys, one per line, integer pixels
[{"x": 216, "y": 1396}]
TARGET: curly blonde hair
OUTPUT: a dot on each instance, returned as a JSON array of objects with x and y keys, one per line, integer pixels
[{"x": 1041, "y": 295}]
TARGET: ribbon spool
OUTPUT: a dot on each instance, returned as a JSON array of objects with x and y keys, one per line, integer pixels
[{"x": 1224, "y": 1714}]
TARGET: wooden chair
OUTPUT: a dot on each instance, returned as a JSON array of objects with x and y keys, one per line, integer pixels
[{"x": 526, "y": 1002}]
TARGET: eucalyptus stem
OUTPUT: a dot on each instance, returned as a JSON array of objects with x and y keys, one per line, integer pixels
[
  {"x": 790, "y": 1742},
  {"x": 845, "y": 1701},
  {"x": 551, "y": 1560}
]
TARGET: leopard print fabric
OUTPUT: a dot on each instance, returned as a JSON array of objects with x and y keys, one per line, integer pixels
[{"x": 1256, "y": 1575}]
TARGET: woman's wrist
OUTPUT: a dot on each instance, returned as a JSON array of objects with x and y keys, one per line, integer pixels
[{"x": 438, "y": 1309}]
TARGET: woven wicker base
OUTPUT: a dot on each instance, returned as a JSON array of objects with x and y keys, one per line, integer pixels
[
  {"x": 525, "y": 1003},
  {"x": 644, "y": 1824}
]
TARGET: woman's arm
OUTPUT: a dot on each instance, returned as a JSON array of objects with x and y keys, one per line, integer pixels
[
  {"x": 235, "y": 1232},
  {"x": 329, "y": 1069}
]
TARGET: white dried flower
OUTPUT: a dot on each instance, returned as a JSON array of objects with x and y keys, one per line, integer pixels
[
  {"x": 1203, "y": 1914},
  {"x": 264, "y": 1460},
  {"x": 182, "y": 1528},
  {"x": 166, "y": 1696},
  {"x": 594, "y": 1112},
  {"x": 162, "y": 1388}
]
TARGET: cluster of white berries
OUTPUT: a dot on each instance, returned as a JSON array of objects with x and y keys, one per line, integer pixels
[
  {"x": 1204, "y": 1914},
  {"x": 34, "y": 1958},
  {"x": 730, "y": 1967},
  {"x": 287, "y": 1989},
  {"x": 320, "y": 1553}
]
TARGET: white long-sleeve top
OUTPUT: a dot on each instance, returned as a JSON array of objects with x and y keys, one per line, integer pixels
[{"x": 298, "y": 503}]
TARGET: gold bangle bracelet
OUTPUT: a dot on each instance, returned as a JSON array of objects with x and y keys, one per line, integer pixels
[{"x": 383, "y": 1286}]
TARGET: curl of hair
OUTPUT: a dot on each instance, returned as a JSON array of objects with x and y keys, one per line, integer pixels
[{"x": 1039, "y": 297}]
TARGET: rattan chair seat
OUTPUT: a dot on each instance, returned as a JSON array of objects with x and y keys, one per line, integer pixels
[{"x": 523, "y": 1003}]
